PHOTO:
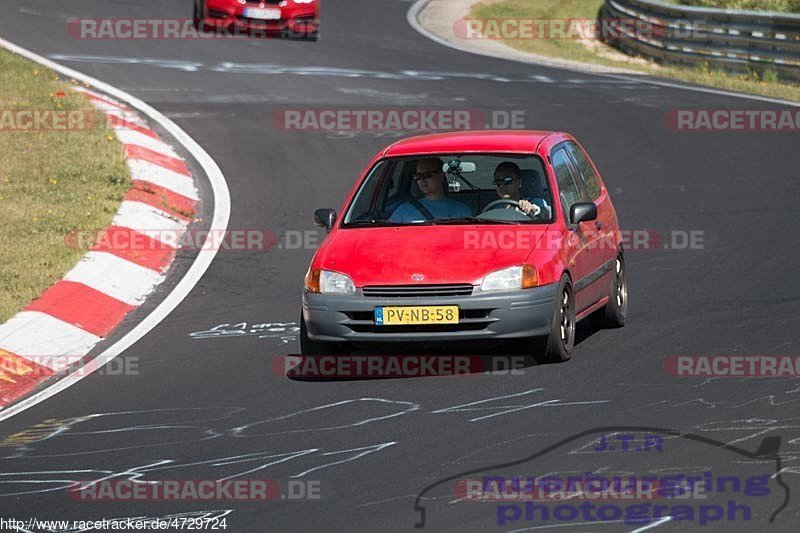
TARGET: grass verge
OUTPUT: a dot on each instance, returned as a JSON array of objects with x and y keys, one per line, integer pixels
[
  {"x": 788, "y": 6},
  {"x": 599, "y": 53},
  {"x": 52, "y": 181}
]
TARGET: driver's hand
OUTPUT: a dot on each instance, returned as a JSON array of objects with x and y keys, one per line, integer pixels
[{"x": 529, "y": 208}]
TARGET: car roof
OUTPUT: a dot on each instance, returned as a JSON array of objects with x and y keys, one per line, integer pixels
[{"x": 486, "y": 141}]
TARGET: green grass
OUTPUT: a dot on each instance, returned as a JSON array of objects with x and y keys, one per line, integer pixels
[
  {"x": 788, "y": 6},
  {"x": 762, "y": 84},
  {"x": 51, "y": 182}
]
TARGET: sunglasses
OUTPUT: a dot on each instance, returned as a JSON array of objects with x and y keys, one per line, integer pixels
[
  {"x": 426, "y": 175},
  {"x": 507, "y": 180}
]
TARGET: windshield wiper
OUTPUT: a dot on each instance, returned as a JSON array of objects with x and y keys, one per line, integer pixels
[
  {"x": 475, "y": 220},
  {"x": 370, "y": 222}
]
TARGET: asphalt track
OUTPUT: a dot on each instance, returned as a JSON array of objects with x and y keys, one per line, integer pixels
[{"x": 209, "y": 408}]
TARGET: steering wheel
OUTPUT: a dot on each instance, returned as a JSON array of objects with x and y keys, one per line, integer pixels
[{"x": 502, "y": 201}]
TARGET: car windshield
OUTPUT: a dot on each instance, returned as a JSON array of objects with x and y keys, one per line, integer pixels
[{"x": 453, "y": 189}]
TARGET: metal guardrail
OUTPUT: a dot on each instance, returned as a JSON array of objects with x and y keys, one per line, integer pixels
[{"x": 737, "y": 41}]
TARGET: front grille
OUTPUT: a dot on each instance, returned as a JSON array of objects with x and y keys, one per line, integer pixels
[{"x": 416, "y": 291}]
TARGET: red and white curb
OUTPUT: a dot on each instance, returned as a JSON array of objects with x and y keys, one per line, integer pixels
[
  {"x": 56, "y": 330},
  {"x": 218, "y": 224}
]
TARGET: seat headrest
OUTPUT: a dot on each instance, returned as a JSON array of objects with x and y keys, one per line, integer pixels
[{"x": 533, "y": 184}]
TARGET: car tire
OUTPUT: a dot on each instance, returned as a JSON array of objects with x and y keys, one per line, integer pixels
[
  {"x": 312, "y": 347},
  {"x": 615, "y": 312},
  {"x": 557, "y": 346},
  {"x": 314, "y": 36}
]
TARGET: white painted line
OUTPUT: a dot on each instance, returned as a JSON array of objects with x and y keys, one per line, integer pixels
[
  {"x": 127, "y": 136},
  {"x": 114, "y": 276},
  {"x": 419, "y": 5},
  {"x": 163, "y": 177},
  {"x": 678, "y": 85},
  {"x": 662, "y": 520},
  {"x": 153, "y": 222},
  {"x": 39, "y": 336},
  {"x": 219, "y": 223}
]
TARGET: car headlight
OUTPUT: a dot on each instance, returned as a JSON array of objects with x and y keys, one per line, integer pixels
[
  {"x": 509, "y": 279},
  {"x": 328, "y": 282}
]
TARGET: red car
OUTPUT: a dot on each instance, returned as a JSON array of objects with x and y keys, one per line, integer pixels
[
  {"x": 464, "y": 236},
  {"x": 294, "y": 18}
]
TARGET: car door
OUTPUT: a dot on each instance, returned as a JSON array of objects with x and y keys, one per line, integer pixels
[
  {"x": 602, "y": 244},
  {"x": 580, "y": 261}
]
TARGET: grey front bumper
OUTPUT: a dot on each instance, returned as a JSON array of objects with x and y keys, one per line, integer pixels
[{"x": 494, "y": 315}]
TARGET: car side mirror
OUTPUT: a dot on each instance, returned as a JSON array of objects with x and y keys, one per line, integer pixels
[
  {"x": 582, "y": 212},
  {"x": 325, "y": 218}
]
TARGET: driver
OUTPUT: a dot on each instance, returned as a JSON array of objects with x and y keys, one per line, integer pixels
[
  {"x": 508, "y": 182},
  {"x": 430, "y": 180}
]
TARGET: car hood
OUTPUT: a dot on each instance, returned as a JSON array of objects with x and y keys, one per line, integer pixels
[{"x": 441, "y": 254}]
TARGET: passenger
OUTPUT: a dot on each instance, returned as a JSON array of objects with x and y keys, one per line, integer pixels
[{"x": 434, "y": 204}]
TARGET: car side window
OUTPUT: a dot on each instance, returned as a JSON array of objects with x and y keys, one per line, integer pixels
[
  {"x": 364, "y": 204},
  {"x": 586, "y": 170},
  {"x": 567, "y": 187}
]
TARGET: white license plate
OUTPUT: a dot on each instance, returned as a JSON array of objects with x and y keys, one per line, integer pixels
[
  {"x": 416, "y": 314},
  {"x": 262, "y": 13}
]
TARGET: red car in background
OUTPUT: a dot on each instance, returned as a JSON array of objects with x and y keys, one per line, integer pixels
[
  {"x": 290, "y": 18},
  {"x": 431, "y": 246}
]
